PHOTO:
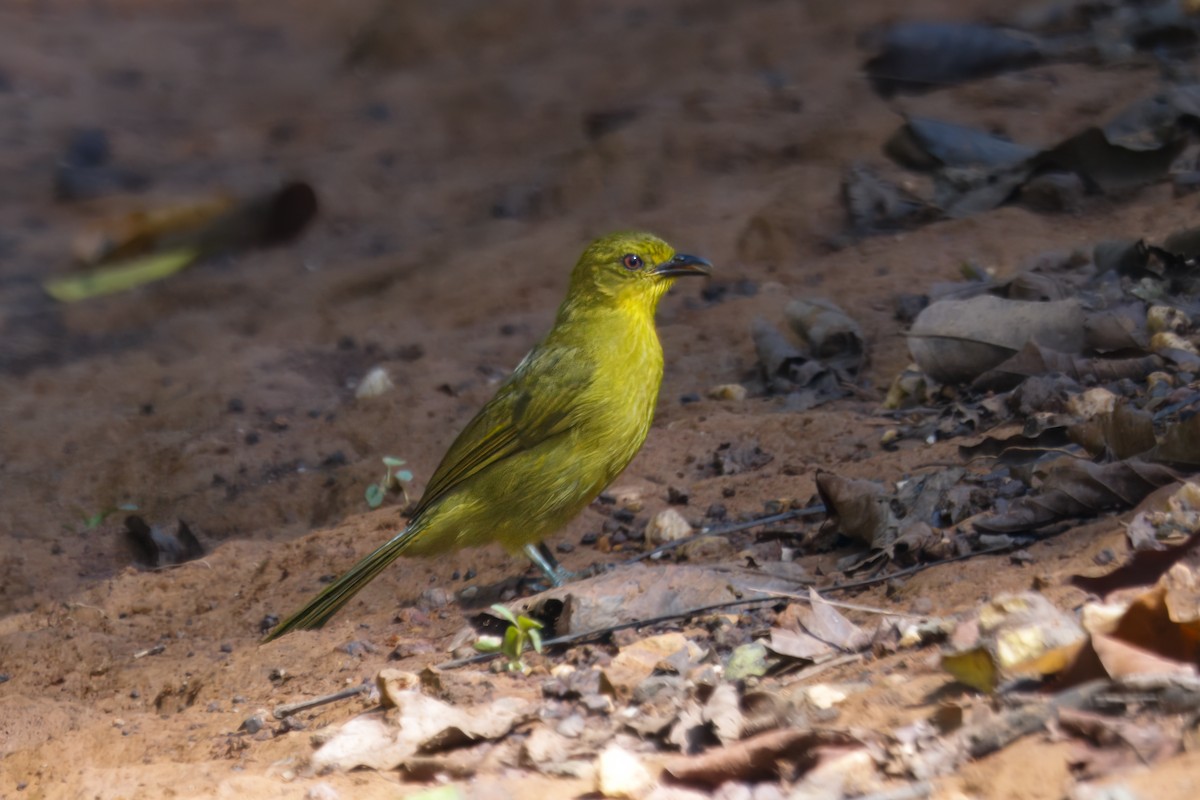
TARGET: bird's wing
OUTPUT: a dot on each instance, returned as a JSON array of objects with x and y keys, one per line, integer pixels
[{"x": 539, "y": 400}]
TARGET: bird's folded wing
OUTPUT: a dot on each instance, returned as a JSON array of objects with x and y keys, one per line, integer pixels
[{"x": 539, "y": 400}]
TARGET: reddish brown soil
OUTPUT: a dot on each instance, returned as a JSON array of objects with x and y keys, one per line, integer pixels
[{"x": 457, "y": 186}]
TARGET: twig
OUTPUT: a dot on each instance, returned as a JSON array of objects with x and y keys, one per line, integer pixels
[
  {"x": 293, "y": 708},
  {"x": 152, "y": 651},
  {"x": 725, "y": 530},
  {"x": 600, "y": 633},
  {"x": 813, "y": 670},
  {"x": 883, "y": 612}
]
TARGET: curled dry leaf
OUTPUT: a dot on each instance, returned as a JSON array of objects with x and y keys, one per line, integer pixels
[
  {"x": 832, "y": 335},
  {"x": 954, "y": 341},
  {"x": 858, "y": 509},
  {"x": 1076, "y": 488},
  {"x": 1033, "y": 359},
  {"x": 924, "y": 56},
  {"x": 1122, "y": 433}
]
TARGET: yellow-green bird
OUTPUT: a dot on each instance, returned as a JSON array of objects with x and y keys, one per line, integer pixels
[{"x": 565, "y": 423}]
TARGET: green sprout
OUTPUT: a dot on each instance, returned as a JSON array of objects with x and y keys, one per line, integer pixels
[
  {"x": 96, "y": 519},
  {"x": 520, "y": 630},
  {"x": 395, "y": 480}
]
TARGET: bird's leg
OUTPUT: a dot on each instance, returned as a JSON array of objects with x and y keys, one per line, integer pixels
[{"x": 540, "y": 555}]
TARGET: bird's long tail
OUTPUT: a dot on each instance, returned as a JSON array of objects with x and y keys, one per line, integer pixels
[{"x": 319, "y": 610}]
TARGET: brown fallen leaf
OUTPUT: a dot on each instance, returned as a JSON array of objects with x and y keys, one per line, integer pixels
[
  {"x": 857, "y": 509},
  {"x": 955, "y": 341},
  {"x": 1077, "y": 488},
  {"x": 1106, "y": 745},
  {"x": 1034, "y": 359},
  {"x": 1121, "y": 660},
  {"x": 1145, "y": 567},
  {"x": 416, "y": 723},
  {"x": 777, "y": 754}
]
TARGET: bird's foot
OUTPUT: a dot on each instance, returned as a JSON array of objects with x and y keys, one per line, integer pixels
[{"x": 555, "y": 574}]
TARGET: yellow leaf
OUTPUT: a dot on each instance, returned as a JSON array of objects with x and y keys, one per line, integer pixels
[{"x": 119, "y": 277}]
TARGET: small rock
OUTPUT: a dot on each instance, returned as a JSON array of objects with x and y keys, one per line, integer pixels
[
  {"x": 667, "y": 525},
  {"x": 435, "y": 597},
  {"x": 620, "y": 774},
  {"x": 572, "y": 727},
  {"x": 734, "y": 392},
  {"x": 254, "y": 723},
  {"x": 545, "y": 746},
  {"x": 824, "y": 696},
  {"x": 359, "y": 648},
  {"x": 706, "y": 549},
  {"x": 321, "y": 791},
  {"x": 376, "y": 382},
  {"x": 1021, "y": 557}
]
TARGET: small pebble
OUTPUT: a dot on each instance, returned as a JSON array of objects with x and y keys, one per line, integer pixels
[
  {"x": 619, "y": 773},
  {"x": 321, "y": 791},
  {"x": 253, "y": 724},
  {"x": 667, "y": 525},
  {"x": 375, "y": 383},
  {"x": 436, "y": 597},
  {"x": 734, "y": 392},
  {"x": 1021, "y": 557}
]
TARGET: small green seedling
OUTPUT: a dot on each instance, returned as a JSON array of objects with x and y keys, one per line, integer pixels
[
  {"x": 520, "y": 630},
  {"x": 95, "y": 520},
  {"x": 394, "y": 480}
]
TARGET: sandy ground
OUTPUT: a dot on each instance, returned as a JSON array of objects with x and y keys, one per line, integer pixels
[{"x": 458, "y": 181}]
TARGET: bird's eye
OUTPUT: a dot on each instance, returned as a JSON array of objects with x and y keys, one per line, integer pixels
[{"x": 632, "y": 261}]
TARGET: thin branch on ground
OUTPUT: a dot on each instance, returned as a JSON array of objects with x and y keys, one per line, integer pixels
[
  {"x": 601, "y": 633},
  {"x": 725, "y": 530},
  {"x": 294, "y": 708}
]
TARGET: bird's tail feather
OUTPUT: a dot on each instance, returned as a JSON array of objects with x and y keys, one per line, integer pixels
[{"x": 319, "y": 610}]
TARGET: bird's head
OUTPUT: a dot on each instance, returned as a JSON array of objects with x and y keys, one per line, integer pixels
[{"x": 630, "y": 269}]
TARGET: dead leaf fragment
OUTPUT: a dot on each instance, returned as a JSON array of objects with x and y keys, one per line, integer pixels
[
  {"x": 954, "y": 341},
  {"x": 1014, "y": 635},
  {"x": 415, "y": 724},
  {"x": 785, "y": 753}
]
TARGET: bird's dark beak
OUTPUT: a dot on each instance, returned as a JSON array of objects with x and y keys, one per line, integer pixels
[{"x": 683, "y": 264}]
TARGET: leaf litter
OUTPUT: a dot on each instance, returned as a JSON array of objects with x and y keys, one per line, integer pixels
[{"x": 679, "y": 673}]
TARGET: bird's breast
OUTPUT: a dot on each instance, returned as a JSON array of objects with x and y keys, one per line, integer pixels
[{"x": 624, "y": 393}]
